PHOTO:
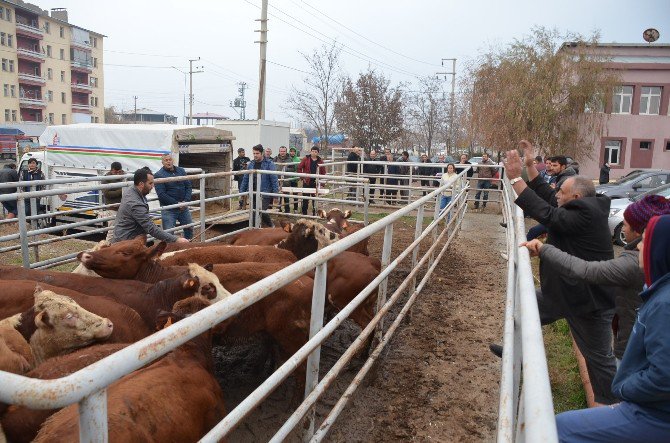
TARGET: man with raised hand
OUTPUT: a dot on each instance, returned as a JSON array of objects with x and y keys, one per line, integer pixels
[{"x": 578, "y": 226}]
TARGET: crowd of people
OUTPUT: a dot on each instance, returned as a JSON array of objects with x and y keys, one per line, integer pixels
[{"x": 616, "y": 307}]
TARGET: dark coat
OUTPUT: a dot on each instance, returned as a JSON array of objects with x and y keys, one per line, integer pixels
[
  {"x": 470, "y": 173},
  {"x": 352, "y": 168},
  {"x": 579, "y": 228},
  {"x": 26, "y": 176},
  {"x": 240, "y": 164},
  {"x": 604, "y": 175},
  {"x": 369, "y": 168},
  {"x": 8, "y": 175},
  {"x": 171, "y": 193}
]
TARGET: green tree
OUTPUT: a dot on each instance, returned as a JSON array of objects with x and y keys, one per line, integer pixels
[
  {"x": 539, "y": 88},
  {"x": 370, "y": 111}
]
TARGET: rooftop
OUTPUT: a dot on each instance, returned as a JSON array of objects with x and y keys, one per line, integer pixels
[{"x": 20, "y": 4}]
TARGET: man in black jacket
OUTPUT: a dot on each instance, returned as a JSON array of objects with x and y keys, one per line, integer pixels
[
  {"x": 352, "y": 168},
  {"x": 240, "y": 164},
  {"x": 369, "y": 169},
  {"x": 578, "y": 226},
  {"x": 8, "y": 174}
]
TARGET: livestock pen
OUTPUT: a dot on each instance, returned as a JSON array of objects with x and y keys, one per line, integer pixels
[{"x": 524, "y": 412}]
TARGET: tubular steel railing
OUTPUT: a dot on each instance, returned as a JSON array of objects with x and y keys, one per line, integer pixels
[
  {"x": 88, "y": 386},
  {"x": 525, "y": 411}
]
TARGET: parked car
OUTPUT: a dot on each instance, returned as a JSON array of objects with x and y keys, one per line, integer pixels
[
  {"x": 619, "y": 205},
  {"x": 635, "y": 184}
]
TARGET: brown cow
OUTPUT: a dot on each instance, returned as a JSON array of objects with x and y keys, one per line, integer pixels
[
  {"x": 227, "y": 254},
  {"x": 261, "y": 237},
  {"x": 128, "y": 325},
  {"x": 337, "y": 222},
  {"x": 56, "y": 325},
  {"x": 21, "y": 423},
  {"x": 15, "y": 353},
  {"x": 174, "y": 399}
]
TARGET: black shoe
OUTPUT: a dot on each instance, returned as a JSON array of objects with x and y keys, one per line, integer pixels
[
  {"x": 497, "y": 350},
  {"x": 503, "y": 224}
]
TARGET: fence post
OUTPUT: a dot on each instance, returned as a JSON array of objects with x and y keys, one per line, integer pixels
[
  {"x": 257, "y": 205},
  {"x": 366, "y": 202},
  {"x": 315, "y": 325},
  {"x": 33, "y": 223},
  {"x": 358, "y": 175},
  {"x": 436, "y": 214},
  {"x": 203, "y": 214},
  {"x": 250, "y": 197},
  {"x": 93, "y": 418},
  {"x": 409, "y": 191},
  {"x": 23, "y": 232},
  {"x": 418, "y": 229},
  {"x": 386, "y": 259}
]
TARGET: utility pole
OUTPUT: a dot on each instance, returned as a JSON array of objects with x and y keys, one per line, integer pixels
[
  {"x": 183, "y": 115},
  {"x": 135, "y": 116},
  {"x": 451, "y": 104},
  {"x": 190, "y": 100},
  {"x": 261, "y": 70}
]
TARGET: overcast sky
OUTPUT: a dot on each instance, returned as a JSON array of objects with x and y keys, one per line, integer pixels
[{"x": 402, "y": 39}]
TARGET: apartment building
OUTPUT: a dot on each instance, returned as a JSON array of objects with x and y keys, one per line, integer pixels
[
  {"x": 637, "y": 116},
  {"x": 52, "y": 70}
]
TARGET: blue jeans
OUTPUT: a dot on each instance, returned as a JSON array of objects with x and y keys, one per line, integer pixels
[
  {"x": 482, "y": 185},
  {"x": 170, "y": 217},
  {"x": 444, "y": 201},
  {"x": 622, "y": 422}
]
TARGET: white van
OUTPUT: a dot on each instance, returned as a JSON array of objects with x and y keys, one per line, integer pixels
[{"x": 86, "y": 150}]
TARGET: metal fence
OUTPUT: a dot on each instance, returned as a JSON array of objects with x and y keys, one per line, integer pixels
[
  {"x": 525, "y": 411},
  {"x": 88, "y": 386}
]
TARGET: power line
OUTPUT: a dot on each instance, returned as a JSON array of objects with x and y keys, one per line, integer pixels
[
  {"x": 137, "y": 66},
  {"x": 364, "y": 37},
  {"x": 288, "y": 67}
]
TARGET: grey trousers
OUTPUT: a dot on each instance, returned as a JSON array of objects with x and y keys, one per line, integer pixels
[{"x": 593, "y": 334}]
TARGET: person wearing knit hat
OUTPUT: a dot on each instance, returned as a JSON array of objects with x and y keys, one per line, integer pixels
[
  {"x": 622, "y": 273},
  {"x": 641, "y": 383},
  {"x": 638, "y": 214}
]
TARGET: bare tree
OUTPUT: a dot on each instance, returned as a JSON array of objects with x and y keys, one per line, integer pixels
[
  {"x": 313, "y": 103},
  {"x": 427, "y": 113},
  {"x": 539, "y": 89},
  {"x": 370, "y": 111},
  {"x": 111, "y": 116}
]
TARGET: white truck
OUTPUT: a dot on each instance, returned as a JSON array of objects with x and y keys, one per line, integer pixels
[
  {"x": 86, "y": 150},
  {"x": 248, "y": 133}
]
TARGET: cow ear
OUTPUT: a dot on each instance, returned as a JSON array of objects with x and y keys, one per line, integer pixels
[
  {"x": 42, "y": 320},
  {"x": 345, "y": 225},
  {"x": 191, "y": 282},
  {"x": 347, "y": 213},
  {"x": 157, "y": 250},
  {"x": 209, "y": 267},
  {"x": 322, "y": 213},
  {"x": 38, "y": 289},
  {"x": 286, "y": 226}
]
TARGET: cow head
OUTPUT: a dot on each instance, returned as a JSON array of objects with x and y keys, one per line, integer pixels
[
  {"x": 181, "y": 309},
  {"x": 62, "y": 325},
  {"x": 210, "y": 286},
  {"x": 307, "y": 237},
  {"x": 336, "y": 219},
  {"x": 123, "y": 259}
]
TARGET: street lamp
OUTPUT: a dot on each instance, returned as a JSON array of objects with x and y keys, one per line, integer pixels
[{"x": 184, "y": 111}]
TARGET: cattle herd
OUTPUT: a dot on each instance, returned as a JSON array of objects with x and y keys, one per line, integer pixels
[{"x": 56, "y": 323}]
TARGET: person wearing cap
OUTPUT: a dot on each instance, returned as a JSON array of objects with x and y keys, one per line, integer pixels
[
  {"x": 642, "y": 382},
  {"x": 240, "y": 164},
  {"x": 622, "y": 273}
]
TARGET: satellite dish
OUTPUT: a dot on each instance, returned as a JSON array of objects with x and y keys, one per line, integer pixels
[{"x": 650, "y": 35}]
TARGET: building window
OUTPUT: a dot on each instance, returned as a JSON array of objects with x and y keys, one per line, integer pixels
[
  {"x": 50, "y": 96},
  {"x": 5, "y": 64},
  {"x": 612, "y": 151},
  {"x": 650, "y": 100},
  {"x": 62, "y": 97},
  {"x": 50, "y": 74},
  {"x": 49, "y": 51},
  {"x": 6, "y": 90},
  {"x": 3, "y": 39},
  {"x": 13, "y": 115},
  {"x": 47, "y": 27},
  {"x": 51, "y": 115},
  {"x": 62, "y": 76},
  {"x": 7, "y": 115},
  {"x": 94, "y": 81},
  {"x": 95, "y": 62},
  {"x": 10, "y": 40},
  {"x": 623, "y": 99},
  {"x": 2, "y": 13},
  {"x": 11, "y": 66},
  {"x": 9, "y": 15},
  {"x": 62, "y": 32},
  {"x": 12, "y": 91},
  {"x": 645, "y": 145},
  {"x": 62, "y": 54},
  {"x": 63, "y": 119}
]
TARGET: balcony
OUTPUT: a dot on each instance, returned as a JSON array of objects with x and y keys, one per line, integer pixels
[
  {"x": 32, "y": 102},
  {"x": 80, "y": 66},
  {"x": 82, "y": 87},
  {"x": 29, "y": 31},
  {"x": 30, "y": 55},
  {"x": 86, "y": 46},
  {"x": 31, "y": 79},
  {"x": 82, "y": 107}
]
